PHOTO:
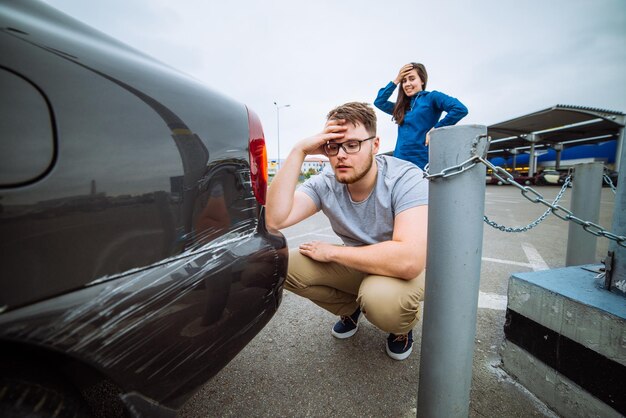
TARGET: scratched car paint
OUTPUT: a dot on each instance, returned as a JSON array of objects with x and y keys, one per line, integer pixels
[{"x": 134, "y": 252}]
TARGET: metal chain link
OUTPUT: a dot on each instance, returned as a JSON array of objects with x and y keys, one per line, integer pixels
[
  {"x": 507, "y": 177},
  {"x": 590, "y": 227},
  {"x": 536, "y": 221},
  {"x": 452, "y": 171},
  {"x": 608, "y": 181},
  {"x": 464, "y": 166}
]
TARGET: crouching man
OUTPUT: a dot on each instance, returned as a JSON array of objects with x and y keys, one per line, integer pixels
[{"x": 378, "y": 206}]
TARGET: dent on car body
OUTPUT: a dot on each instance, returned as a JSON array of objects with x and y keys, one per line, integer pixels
[{"x": 150, "y": 325}]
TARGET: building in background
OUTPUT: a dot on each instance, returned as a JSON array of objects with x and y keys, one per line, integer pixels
[
  {"x": 315, "y": 162},
  {"x": 312, "y": 164}
]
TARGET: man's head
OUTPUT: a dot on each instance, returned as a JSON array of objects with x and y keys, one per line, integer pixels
[
  {"x": 352, "y": 156},
  {"x": 356, "y": 113}
]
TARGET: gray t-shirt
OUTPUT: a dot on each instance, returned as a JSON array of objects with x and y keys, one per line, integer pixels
[{"x": 399, "y": 186}]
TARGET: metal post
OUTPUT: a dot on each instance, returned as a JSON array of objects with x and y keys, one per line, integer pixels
[
  {"x": 278, "y": 132},
  {"x": 586, "y": 193},
  {"x": 278, "y": 137},
  {"x": 558, "y": 148},
  {"x": 619, "y": 151},
  {"x": 514, "y": 153},
  {"x": 455, "y": 233},
  {"x": 618, "y": 273},
  {"x": 532, "y": 168},
  {"x": 531, "y": 160}
]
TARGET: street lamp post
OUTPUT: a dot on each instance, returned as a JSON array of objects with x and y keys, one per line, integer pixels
[{"x": 278, "y": 131}]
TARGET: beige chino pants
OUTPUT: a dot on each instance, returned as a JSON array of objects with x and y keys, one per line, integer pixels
[{"x": 389, "y": 303}]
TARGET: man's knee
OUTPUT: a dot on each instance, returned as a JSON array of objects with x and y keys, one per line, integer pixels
[{"x": 391, "y": 306}]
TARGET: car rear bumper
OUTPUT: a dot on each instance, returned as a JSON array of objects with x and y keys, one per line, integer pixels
[{"x": 180, "y": 321}]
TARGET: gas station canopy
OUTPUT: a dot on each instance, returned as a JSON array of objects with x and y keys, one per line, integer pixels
[{"x": 560, "y": 124}]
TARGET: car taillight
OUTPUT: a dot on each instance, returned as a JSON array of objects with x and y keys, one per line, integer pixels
[{"x": 258, "y": 157}]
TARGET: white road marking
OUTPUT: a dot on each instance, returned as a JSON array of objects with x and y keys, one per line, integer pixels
[
  {"x": 492, "y": 301},
  {"x": 534, "y": 257},
  {"x": 311, "y": 234},
  {"x": 513, "y": 263},
  {"x": 506, "y": 201}
]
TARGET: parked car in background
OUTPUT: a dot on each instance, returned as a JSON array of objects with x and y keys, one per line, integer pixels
[
  {"x": 550, "y": 177},
  {"x": 134, "y": 258},
  {"x": 524, "y": 179},
  {"x": 491, "y": 179},
  {"x": 517, "y": 177}
]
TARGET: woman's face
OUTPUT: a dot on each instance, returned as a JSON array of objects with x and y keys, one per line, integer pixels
[{"x": 412, "y": 83}]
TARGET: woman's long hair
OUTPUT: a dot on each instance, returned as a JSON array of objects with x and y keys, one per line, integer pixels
[{"x": 403, "y": 102}]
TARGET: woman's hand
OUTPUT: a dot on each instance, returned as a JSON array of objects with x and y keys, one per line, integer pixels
[
  {"x": 428, "y": 136},
  {"x": 333, "y": 130},
  {"x": 403, "y": 73}
]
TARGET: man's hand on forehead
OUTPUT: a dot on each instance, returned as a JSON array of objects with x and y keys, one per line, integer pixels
[
  {"x": 335, "y": 122},
  {"x": 333, "y": 130},
  {"x": 342, "y": 122}
]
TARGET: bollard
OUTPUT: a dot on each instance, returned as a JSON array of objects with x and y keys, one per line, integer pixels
[
  {"x": 586, "y": 193},
  {"x": 455, "y": 233},
  {"x": 616, "y": 280}
]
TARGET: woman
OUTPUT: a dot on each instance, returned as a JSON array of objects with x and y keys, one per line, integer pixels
[{"x": 417, "y": 112}]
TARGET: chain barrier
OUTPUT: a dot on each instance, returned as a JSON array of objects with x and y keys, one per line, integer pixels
[
  {"x": 529, "y": 193},
  {"x": 464, "y": 166},
  {"x": 608, "y": 181},
  {"x": 567, "y": 215},
  {"x": 536, "y": 221}
]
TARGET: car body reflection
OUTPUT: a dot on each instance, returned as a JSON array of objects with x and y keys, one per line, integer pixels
[{"x": 134, "y": 250}]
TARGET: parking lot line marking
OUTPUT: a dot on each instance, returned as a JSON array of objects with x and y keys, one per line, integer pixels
[
  {"x": 508, "y": 201},
  {"x": 492, "y": 301},
  {"x": 534, "y": 257},
  {"x": 326, "y": 235},
  {"x": 308, "y": 234},
  {"x": 513, "y": 263}
]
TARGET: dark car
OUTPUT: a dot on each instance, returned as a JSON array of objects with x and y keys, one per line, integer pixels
[
  {"x": 549, "y": 177},
  {"x": 523, "y": 178},
  {"x": 134, "y": 259},
  {"x": 492, "y": 179},
  {"x": 517, "y": 177}
]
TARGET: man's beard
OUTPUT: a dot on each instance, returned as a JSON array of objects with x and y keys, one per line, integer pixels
[{"x": 359, "y": 175}]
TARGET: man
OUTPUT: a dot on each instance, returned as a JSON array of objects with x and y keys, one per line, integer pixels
[{"x": 378, "y": 206}]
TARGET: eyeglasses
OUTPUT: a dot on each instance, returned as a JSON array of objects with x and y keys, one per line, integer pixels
[{"x": 350, "y": 147}]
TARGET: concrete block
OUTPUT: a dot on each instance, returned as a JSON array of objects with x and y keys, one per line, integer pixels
[
  {"x": 557, "y": 391},
  {"x": 569, "y": 302}
]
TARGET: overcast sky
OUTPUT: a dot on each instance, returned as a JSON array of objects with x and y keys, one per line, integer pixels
[{"x": 501, "y": 58}]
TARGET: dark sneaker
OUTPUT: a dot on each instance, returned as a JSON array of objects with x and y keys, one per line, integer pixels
[
  {"x": 347, "y": 326},
  {"x": 400, "y": 346}
]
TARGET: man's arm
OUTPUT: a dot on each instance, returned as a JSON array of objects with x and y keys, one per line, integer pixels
[
  {"x": 404, "y": 256},
  {"x": 284, "y": 206}
]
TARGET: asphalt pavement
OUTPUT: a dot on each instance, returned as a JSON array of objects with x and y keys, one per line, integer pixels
[{"x": 294, "y": 367}]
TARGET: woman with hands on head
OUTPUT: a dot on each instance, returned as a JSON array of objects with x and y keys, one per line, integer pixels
[{"x": 417, "y": 112}]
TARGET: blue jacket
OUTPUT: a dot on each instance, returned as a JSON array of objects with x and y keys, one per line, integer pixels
[{"x": 423, "y": 114}]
